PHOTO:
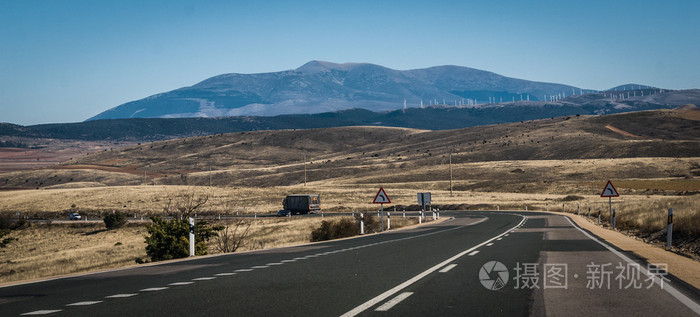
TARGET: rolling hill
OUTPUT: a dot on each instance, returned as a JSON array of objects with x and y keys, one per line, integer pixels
[{"x": 381, "y": 154}]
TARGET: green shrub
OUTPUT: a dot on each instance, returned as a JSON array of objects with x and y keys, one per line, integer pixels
[
  {"x": 115, "y": 220},
  {"x": 335, "y": 229},
  {"x": 572, "y": 198}
]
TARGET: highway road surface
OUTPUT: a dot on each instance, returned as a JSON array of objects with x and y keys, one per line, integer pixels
[{"x": 479, "y": 263}]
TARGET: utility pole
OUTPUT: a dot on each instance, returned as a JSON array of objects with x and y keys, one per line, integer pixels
[{"x": 450, "y": 173}]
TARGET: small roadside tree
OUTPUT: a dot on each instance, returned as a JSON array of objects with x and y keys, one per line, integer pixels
[
  {"x": 169, "y": 239},
  {"x": 114, "y": 220}
]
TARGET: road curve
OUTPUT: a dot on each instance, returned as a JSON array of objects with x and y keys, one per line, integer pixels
[{"x": 436, "y": 269}]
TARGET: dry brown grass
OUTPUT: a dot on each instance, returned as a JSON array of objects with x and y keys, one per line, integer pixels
[
  {"x": 45, "y": 250},
  {"x": 645, "y": 214},
  {"x": 49, "y": 250},
  {"x": 280, "y": 232}
]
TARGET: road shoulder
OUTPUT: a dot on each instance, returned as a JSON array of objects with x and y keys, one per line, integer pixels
[{"x": 683, "y": 268}]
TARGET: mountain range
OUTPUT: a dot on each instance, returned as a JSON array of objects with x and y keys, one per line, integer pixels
[{"x": 318, "y": 87}]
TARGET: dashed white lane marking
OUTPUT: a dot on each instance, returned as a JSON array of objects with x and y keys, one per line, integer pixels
[
  {"x": 224, "y": 274},
  {"x": 447, "y": 268},
  {"x": 260, "y": 267},
  {"x": 366, "y": 305},
  {"x": 153, "y": 289},
  {"x": 244, "y": 270},
  {"x": 288, "y": 261},
  {"x": 473, "y": 253},
  {"x": 505, "y": 235},
  {"x": 85, "y": 303},
  {"x": 388, "y": 305},
  {"x": 489, "y": 244},
  {"x": 300, "y": 258},
  {"x": 499, "y": 239},
  {"x": 180, "y": 283},
  {"x": 120, "y": 295},
  {"x": 204, "y": 278},
  {"x": 42, "y": 312},
  {"x": 275, "y": 263}
]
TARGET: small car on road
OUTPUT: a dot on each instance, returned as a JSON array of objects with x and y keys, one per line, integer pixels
[
  {"x": 284, "y": 213},
  {"x": 74, "y": 216}
]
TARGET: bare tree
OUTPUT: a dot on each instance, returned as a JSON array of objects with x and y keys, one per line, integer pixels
[
  {"x": 186, "y": 204},
  {"x": 232, "y": 236}
]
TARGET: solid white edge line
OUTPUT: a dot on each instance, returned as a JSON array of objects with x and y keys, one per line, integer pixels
[
  {"x": 390, "y": 304},
  {"x": 695, "y": 307},
  {"x": 447, "y": 268},
  {"x": 364, "y": 306}
]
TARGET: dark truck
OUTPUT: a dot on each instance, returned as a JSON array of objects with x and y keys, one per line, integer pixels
[{"x": 302, "y": 204}]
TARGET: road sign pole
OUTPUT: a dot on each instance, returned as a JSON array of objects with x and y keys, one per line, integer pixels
[
  {"x": 382, "y": 218},
  {"x": 669, "y": 229},
  {"x": 611, "y": 210}
]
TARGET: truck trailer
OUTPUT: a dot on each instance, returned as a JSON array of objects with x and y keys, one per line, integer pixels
[{"x": 302, "y": 204}]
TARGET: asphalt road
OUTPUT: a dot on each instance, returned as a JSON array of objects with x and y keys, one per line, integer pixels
[{"x": 440, "y": 269}]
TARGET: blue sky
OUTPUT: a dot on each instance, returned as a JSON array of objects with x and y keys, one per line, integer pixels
[{"x": 65, "y": 61}]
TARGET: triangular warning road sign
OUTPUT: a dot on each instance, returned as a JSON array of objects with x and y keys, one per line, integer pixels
[
  {"x": 609, "y": 191},
  {"x": 382, "y": 197}
]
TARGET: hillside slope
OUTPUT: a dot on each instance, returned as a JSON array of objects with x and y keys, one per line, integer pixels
[
  {"x": 377, "y": 154},
  {"x": 432, "y": 118}
]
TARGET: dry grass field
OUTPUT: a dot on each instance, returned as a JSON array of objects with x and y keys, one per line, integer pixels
[
  {"x": 652, "y": 157},
  {"x": 48, "y": 250},
  {"x": 45, "y": 250}
]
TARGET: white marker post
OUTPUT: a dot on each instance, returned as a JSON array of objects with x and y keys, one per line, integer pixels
[
  {"x": 669, "y": 229},
  {"x": 388, "y": 220},
  {"x": 599, "y": 210},
  {"x": 613, "y": 218},
  {"x": 362, "y": 223},
  {"x": 191, "y": 220}
]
